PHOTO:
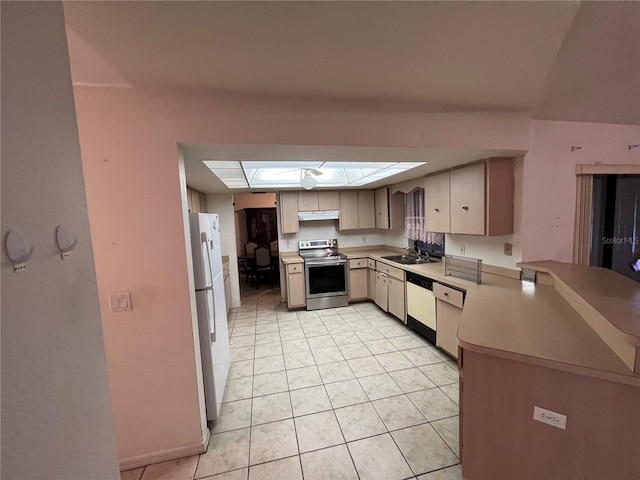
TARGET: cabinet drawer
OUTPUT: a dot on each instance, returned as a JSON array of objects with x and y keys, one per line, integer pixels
[
  {"x": 358, "y": 263},
  {"x": 448, "y": 294},
  {"x": 371, "y": 263},
  {"x": 391, "y": 271},
  {"x": 295, "y": 268}
]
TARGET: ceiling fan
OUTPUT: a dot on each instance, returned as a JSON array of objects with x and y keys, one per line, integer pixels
[{"x": 309, "y": 178}]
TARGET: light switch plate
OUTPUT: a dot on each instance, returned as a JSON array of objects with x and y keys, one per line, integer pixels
[
  {"x": 508, "y": 249},
  {"x": 120, "y": 302}
]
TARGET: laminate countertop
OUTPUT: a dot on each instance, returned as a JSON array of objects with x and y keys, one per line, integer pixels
[{"x": 542, "y": 324}]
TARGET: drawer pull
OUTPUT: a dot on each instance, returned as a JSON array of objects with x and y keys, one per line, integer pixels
[
  {"x": 465, "y": 208},
  {"x": 437, "y": 209},
  {"x": 446, "y": 294}
]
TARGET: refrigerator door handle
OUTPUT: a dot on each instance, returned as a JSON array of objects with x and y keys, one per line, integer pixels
[
  {"x": 212, "y": 335},
  {"x": 212, "y": 327}
]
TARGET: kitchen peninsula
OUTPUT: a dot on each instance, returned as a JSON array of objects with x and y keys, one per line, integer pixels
[{"x": 566, "y": 344}]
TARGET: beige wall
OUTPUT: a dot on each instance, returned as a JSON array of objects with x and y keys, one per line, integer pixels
[
  {"x": 56, "y": 408},
  {"x": 252, "y": 200},
  {"x": 129, "y": 140},
  {"x": 549, "y": 188}
]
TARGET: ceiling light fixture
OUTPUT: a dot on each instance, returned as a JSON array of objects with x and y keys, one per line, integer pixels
[{"x": 308, "y": 181}]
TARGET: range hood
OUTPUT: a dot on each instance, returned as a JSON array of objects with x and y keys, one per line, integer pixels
[{"x": 319, "y": 215}]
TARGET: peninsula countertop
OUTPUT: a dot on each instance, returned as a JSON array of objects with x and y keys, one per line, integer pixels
[{"x": 528, "y": 322}]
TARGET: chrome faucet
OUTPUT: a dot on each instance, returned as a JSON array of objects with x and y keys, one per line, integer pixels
[{"x": 416, "y": 249}]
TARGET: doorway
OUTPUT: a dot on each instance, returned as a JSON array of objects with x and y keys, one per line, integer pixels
[{"x": 615, "y": 225}]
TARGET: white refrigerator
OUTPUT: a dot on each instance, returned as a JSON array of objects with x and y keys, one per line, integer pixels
[{"x": 212, "y": 310}]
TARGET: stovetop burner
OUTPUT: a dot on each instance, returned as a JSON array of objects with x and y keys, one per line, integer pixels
[{"x": 318, "y": 249}]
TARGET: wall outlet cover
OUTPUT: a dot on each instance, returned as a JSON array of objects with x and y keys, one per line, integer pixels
[
  {"x": 549, "y": 417},
  {"x": 508, "y": 249}
]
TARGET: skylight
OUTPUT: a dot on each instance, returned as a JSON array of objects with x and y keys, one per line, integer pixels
[{"x": 259, "y": 174}]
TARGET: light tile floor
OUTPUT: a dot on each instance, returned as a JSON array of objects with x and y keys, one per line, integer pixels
[{"x": 346, "y": 393}]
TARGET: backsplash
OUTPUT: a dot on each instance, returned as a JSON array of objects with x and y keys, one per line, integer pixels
[
  {"x": 352, "y": 238},
  {"x": 489, "y": 249}
]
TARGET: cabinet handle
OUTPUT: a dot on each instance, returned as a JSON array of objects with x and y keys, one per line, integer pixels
[
  {"x": 446, "y": 294},
  {"x": 437, "y": 209},
  {"x": 465, "y": 208}
]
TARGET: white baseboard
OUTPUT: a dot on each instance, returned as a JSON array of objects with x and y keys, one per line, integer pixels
[{"x": 164, "y": 455}]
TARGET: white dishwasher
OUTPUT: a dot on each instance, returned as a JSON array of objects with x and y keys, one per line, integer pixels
[{"x": 421, "y": 306}]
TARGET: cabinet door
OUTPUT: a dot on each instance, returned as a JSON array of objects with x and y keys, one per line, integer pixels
[
  {"x": 203, "y": 203},
  {"x": 328, "y": 200},
  {"x": 447, "y": 320},
  {"x": 382, "y": 207},
  {"x": 436, "y": 203},
  {"x": 467, "y": 200},
  {"x": 382, "y": 290},
  {"x": 307, "y": 201},
  {"x": 289, "y": 212},
  {"x": 396, "y": 211},
  {"x": 366, "y": 209},
  {"x": 295, "y": 290},
  {"x": 358, "y": 283},
  {"x": 372, "y": 284},
  {"x": 396, "y": 298},
  {"x": 348, "y": 210}
]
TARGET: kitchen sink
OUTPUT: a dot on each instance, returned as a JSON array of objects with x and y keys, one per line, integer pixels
[{"x": 408, "y": 259}]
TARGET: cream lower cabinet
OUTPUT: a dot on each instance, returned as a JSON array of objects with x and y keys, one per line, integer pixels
[
  {"x": 382, "y": 291},
  {"x": 396, "y": 302},
  {"x": 390, "y": 291},
  {"x": 371, "y": 270},
  {"x": 358, "y": 279},
  {"x": 448, "y": 312},
  {"x": 295, "y": 285}
]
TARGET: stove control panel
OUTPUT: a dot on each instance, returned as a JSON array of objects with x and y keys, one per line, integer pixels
[{"x": 312, "y": 244}]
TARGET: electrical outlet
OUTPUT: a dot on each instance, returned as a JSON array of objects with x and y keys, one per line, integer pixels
[
  {"x": 550, "y": 418},
  {"x": 462, "y": 249},
  {"x": 508, "y": 248}
]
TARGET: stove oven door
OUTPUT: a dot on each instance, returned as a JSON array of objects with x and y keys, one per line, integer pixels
[{"x": 325, "y": 278}]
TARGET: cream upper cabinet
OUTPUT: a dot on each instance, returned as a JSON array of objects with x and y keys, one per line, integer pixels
[
  {"x": 436, "y": 203},
  {"x": 467, "y": 199},
  {"x": 289, "y": 212},
  {"x": 366, "y": 209},
  {"x": 482, "y": 198},
  {"x": 328, "y": 200},
  {"x": 389, "y": 209},
  {"x": 382, "y": 207},
  {"x": 357, "y": 210},
  {"x": 320, "y": 200},
  {"x": 307, "y": 201},
  {"x": 348, "y": 210}
]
